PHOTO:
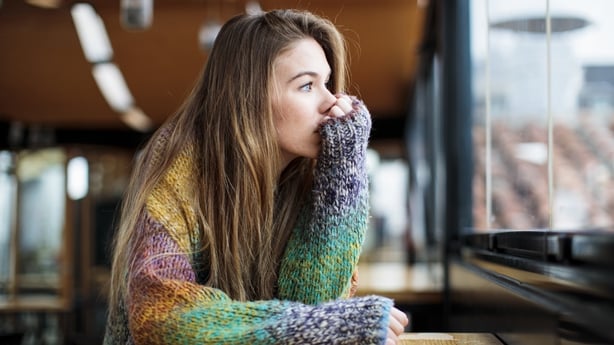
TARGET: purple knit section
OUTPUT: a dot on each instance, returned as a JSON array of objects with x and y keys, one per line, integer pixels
[
  {"x": 339, "y": 322},
  {"x": 340, "y": 176},
  {"x": 160, "y": 254}
]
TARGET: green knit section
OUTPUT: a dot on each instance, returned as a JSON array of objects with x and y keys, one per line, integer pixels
[{"x": 317, "y": 268}]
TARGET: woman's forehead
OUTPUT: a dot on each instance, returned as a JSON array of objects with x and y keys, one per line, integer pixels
[{"x": 304, "y": 56}]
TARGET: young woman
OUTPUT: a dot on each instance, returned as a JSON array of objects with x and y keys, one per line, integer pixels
[{"x": 245, "y": 216}]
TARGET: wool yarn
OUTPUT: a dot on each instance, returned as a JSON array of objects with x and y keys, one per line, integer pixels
[{"x": 165, "y": 304}]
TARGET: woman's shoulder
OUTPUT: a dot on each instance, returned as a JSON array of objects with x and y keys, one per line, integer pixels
[{"x": 171, "y": 200}]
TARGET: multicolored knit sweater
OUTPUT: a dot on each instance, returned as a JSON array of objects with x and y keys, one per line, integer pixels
[{"x": 166, "y": 305}]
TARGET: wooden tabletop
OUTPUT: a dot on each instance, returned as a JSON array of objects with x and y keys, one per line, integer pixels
[
  {"x": 418, "y": 283},
  {"x": 449, "y": 339}
]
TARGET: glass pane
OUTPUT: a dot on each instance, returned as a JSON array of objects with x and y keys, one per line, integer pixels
[
  {"x": 42, "y": 198},
  {"x": 509, "y": 56},
  {"x": 541, "y": 65},
  {"x": 7, "y": 205},
  {"x": 583, "y": 86}
]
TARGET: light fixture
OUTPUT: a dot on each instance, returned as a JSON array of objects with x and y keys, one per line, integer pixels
[
  {"x": 113, "y": 86},
  {"x": 136, "y": 119},
  {"x": 211, "y": 27},
  {"x": 77, "y": 176},
  {"x": 92, "y": 33},
  {"x": 114, "y": 89},
  {"x": 97, "y": 49},
  {"x": 136, "y": 14},
  {"x": 208, "y": 33},
  {"x": 253, "y": 7},
  {"x": 537, "y": 24},
  {"x": 44, "y": 3}
]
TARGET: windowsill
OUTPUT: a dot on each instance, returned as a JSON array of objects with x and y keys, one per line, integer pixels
[{"x": 449, "y": 338}]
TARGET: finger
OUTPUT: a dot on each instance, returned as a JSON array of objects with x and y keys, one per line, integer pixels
[
  {"x": 335, "y": 111},
  {"x": 395, "y": 326},
  {"x": 401, "y": 316},
  {"x": 345, "y": 104},
  {"x": 354, "y": 283},
  {"x": 391, "y": 337}
]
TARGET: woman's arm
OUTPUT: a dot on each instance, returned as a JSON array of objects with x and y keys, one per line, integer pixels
[
  {"x": 323, "y": 249},
  {"x": 165, "y": 305}
]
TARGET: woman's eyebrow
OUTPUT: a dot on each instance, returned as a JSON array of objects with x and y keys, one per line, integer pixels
[
  {"x": 300, "y": 74},
  {"x": 309, "y": 73}
]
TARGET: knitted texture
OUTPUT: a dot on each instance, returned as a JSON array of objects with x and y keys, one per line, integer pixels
[
  {"x": 324, "y": 249},
  {"x": 166, "y": 305}
]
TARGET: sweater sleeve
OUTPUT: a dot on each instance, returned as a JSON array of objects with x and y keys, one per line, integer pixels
[
  {"x": 165, "y": 305},
  {"x": 324, "y": 248}
]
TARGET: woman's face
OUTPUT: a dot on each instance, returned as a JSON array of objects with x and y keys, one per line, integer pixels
[{"x": 301, "y": 101}]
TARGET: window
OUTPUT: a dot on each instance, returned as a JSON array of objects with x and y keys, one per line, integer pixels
[{"x": 543, "y": 115}]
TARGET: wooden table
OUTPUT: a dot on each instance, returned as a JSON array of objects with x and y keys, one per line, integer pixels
[
  {"x": 449, "y": 339},
  {"x": 416, "y": 284}
]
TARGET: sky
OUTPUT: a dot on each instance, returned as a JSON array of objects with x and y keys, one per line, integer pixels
[{"x": 593, "y": 44}]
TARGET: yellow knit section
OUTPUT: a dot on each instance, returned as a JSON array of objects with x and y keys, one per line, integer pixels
[{"x": 169, "y": 203}]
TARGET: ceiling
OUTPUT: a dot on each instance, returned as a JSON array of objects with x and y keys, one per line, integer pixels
[{"x": 46, "y": 81}]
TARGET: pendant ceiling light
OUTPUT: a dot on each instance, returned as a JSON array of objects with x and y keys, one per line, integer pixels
[
  {"x": 136, "y": 14},
  {"x": 210, "y": 27}
]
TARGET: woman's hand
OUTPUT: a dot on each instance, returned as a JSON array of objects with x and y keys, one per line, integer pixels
[
  {"x": 342, "y": 107},
  {"x": 347, "y": 111},
  {"x": 354, "y": 283},
  {"x": 396, "y": 326}
]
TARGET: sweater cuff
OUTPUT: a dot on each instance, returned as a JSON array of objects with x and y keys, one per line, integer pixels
[
  {"x": 346, "y": 137},
  {"x": 362, "y": 320}
]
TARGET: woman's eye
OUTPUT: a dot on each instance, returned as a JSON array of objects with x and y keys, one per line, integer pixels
[{"x": 307, "y": 87}]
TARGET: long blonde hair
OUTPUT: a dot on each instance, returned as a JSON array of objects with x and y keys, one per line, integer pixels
[{"x": 245, "y": 210}]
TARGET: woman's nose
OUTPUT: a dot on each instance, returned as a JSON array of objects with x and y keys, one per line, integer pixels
[{"x": 329, "y": 100}]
